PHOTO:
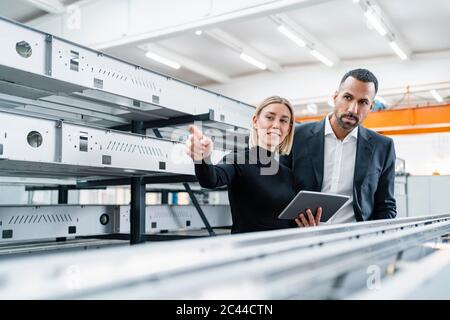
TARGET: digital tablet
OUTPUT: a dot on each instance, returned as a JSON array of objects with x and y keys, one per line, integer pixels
[{"x": 329, "y": 202}]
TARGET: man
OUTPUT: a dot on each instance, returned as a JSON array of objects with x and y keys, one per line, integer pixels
[{"x": 338, "y": 155}]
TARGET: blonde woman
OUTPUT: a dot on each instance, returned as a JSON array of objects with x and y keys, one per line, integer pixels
[{"x": 256, "y": 191}]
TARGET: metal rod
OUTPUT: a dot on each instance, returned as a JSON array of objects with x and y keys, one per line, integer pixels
[{"x": 199, "y": 209}]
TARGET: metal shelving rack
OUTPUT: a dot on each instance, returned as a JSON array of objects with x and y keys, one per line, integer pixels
[{"x": 72, "y": 112}]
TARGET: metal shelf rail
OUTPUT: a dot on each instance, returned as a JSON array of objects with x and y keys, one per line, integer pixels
[{"x": 324, "y": 262}]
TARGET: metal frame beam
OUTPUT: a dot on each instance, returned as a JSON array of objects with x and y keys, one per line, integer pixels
[
  {"x": 170, "y": 122},
  {"x": 137, "y": 212},
  {"x": 199, "y": 209}
]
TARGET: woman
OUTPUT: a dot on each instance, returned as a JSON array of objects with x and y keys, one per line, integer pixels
[{"x": 259, "y": 187}]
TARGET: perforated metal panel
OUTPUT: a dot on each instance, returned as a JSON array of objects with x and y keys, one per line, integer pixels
[
  {"x": 105, "y": 148},
  {"x": 20, "y": 223},
  {"x": 31, "y": 223},
  {"x": 44, "y": 147},
  {"x": 165, "y": 217},
  {"x": 11, "y": 35},
  {"x": 20, "y": 138}
]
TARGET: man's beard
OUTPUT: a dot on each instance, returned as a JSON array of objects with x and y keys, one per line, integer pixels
[{"x": 345, "y": 125}]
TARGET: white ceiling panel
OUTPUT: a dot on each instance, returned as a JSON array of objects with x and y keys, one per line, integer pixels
[
  {"x": 19, "y": 10},
  {"x": 22, "y": 10},
  {"x": 209, "y": 52},
  {"x": 425, "y": 25},
  {"x": 341, "y": 25}
]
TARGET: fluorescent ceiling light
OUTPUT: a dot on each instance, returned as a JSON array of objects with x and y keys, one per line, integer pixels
[
  {"x": 375, "y": 22},
  {"x": 356, "y": 1},
  {"x": 253, "y": 61},
  {"x": 51, "y": 6},
  {"x": 198, "y": 32},
  {"x": 436, "y": 95},
  {"x": 292, "y": 36},
  {"x": 162, "y": 60},
  {"x": 322, "y": 58},
  {"x": 397, "y": 50}
]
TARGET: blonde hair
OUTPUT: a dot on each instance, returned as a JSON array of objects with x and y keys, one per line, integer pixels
[{"x": 286, "y": 145}]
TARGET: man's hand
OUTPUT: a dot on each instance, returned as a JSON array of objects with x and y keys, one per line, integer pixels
[
  {"x": 309, "y": 220},
  {"x": 198, "y": 146}
]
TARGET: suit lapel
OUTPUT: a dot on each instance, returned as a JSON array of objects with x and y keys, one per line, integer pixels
[
  {"x": 315, "y": 149},
  {"x": 364, "y": 153}
]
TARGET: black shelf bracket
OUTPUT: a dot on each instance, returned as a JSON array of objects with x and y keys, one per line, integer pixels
[
  {"x": 63, "y": 194},
  {"x": 169, "y": 122},
  {"x": 137, "y": 205}
]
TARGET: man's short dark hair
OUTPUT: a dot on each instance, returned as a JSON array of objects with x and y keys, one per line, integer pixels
[{"x": 363, "y": 75}]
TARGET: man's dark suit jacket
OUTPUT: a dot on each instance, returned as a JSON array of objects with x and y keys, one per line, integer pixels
[{"x": 373, "y": 186}]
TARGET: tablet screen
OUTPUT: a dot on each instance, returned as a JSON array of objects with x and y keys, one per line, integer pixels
[{"x": 329, "y": 202}]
